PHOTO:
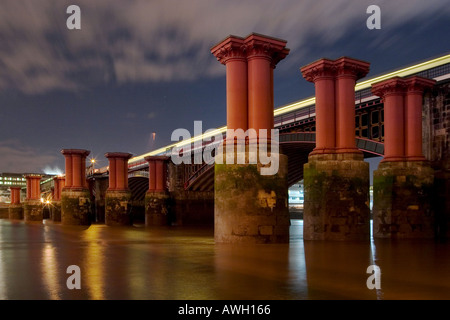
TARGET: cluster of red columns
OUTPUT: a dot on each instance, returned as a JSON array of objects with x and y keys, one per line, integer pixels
[
  {"x": 33, "y": 187},
  {"x": 15, "y": 195},
  {"x": 249, "y": 66},
  {"x": 157, "y": 168},
  {"x": 118, "y": 170},
  {"x": 334, "y": 82},
  {"x": 59, "y": 183},
  {"x": 75, "y": 162},
  {"x": 402, "y": 98}
]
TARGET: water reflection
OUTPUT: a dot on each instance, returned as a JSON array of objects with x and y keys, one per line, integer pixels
[{"x": 185, "y": 263}]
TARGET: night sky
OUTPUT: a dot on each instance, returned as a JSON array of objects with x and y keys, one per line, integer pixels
[{"x": 138, "y": 67}]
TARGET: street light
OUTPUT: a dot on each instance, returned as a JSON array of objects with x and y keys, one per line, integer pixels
[{"x": 93, "y": 165}]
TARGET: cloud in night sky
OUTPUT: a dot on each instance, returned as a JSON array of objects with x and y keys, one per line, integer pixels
[
  {"x": 138, "y": 41},
  {"x": 20, "y": 158}
]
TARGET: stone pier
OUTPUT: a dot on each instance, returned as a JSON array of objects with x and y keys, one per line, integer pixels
[
  {"x": 15, "y": 208},
  {"x": 403, "y": 183},
  {"x": 75, "y": 196},
  {"x": 157, "y": 199},
  {"x": 336, "y": 178},
  {"x": 33, "y": 209},
  {"x": 249, "y": 205},
  {"x": 118, "y": 195}
]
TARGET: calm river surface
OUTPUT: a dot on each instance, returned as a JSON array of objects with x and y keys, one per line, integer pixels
[{"x": 183, "y": 263}]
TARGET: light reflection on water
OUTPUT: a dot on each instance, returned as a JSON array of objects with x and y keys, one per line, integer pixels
[{"x": 185, "y": 263}]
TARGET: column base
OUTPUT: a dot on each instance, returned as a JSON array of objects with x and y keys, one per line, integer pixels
[
  {"x": 4, "y": 212},
  {"x": 75, "y": 207},
  {"x": 117, "y": 208},
  {"x": 56, "y": 211},
  {"x": 16, "y": 212},
  {"x": 402, "y": 194},
  {"x": 250, "y": 207},
  {"x": 33, "y": 211},
  {"x": 336, "y": 205},
  {"x": 157, "y": 207}
]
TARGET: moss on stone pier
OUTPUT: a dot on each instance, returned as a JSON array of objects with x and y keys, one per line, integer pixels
[
  {"x": 75, "y": 207},
  {"x": 250, "y": 207},
  {"x": 402, "y": 200}
]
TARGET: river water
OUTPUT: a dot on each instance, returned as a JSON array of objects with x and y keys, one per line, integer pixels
[{"x": 185, "y": 263}]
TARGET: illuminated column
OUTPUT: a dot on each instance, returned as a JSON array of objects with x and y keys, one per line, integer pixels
[
  {"x": 75, "y": 196},
  {"x": 56, "y": 203},
  {"x": 336, "y": 179},
  {"x": 321, "y": 73},
  {"x": 157, "y": 197},
  {"x": 263, "y": 53},
  {"x": 61, "y": 185},
  {"x": 15, "y": 208},
  {"x": 254, "y": 211},
  {"x": 112, "y": 173},
  {"x": 151, "y": 175},
  {"x": 33, "y": 205},
  {"x": 232, "y": 53},
  {"x": 28, "y": 189},
  {"x": 415, "y": 87},
  {"x": 348, "y": 71},
  {"x": 118, "y": 195},
  {"x": 392, "y": 91},
  {"x": 69, "y": 174},
  {"x": 403, "y": 182}
]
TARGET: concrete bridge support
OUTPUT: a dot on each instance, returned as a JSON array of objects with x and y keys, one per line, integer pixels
[
  {"x": 75, "y": 196},
  {"x": 249, "y": 206},
  {"x": 59, "y": 183},
  {"x": 32, "y": 209},
  {"x": 336, "y": 179},
  {"x": 157, "y": 199},
  {"x": 118, "y": 195},
  {"x": 403, "y": 183},
  {"x": 15, "y": 208}
]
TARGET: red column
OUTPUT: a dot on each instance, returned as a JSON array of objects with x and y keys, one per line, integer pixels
[
  {"x": 76, "y": 169},
  {"x": 413, "y": 116},
  {"x": 75, "y": 160},
  {"x": 33, "y": 187},
  {"x": 28, "y": 188},
  {"x": 157, "y": 173},
  {"x": 348, "y": 71},
  {"x": 263, "y": 53},
  {"x": 392, "y": 92},
  {"x": 118, "y": 170},
  {"x": 61, "y": 185},
  {"x": 232, "y": 53},
  {"x": 55, "y": 189},
  {"x": 15, "y": 195},
  {"x": 152, "y": 175},
  {"x": 69, "y": 174},
  {"x": 321, "y": 73}
]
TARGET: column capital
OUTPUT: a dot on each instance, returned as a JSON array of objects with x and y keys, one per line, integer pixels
[
  {"x": 418, "y": 85},
  {"x": 395, "y": 85},
  {"x": 262, "y": 46},
  {"x": 346, "y": 66},
  {"x": 231, "y": 48},
  {"x": 15, "y": 188},
  {"x": 322, "y": 68},
  {"x": 122, "y": 155},
  {"x": 81, "y": 152},
  {"x": 32, "y": 176}
]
